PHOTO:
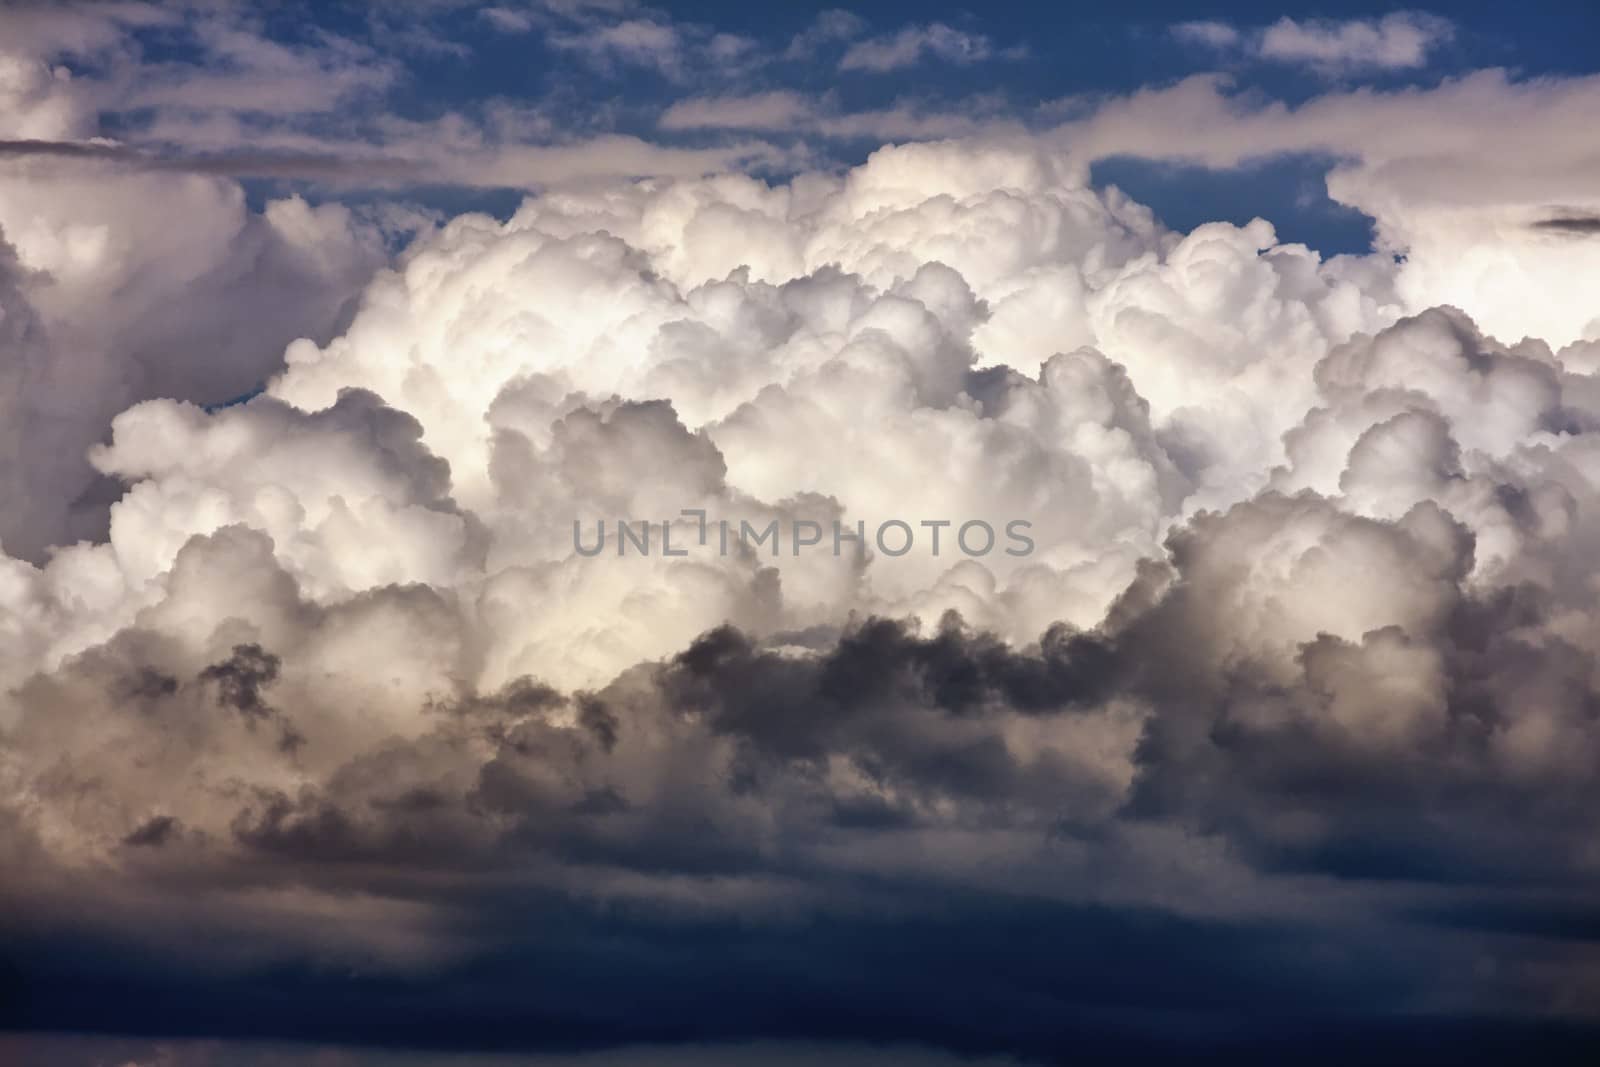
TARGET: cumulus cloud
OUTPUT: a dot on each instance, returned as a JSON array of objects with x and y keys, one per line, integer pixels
[
  {"x": 1462, "y": 218},
  {"x": 96, "y": 324},
  {"x": 311, "y": 690},
  {"x": 356, "y": 602}
]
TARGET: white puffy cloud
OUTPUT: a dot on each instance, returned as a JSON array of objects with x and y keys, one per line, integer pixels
[
  {"x": 949, "y": 334},
  {"x": 907, "y": 287},
  {"x": 1437, "y": 169},
  {"x": 141, "y": 285}
]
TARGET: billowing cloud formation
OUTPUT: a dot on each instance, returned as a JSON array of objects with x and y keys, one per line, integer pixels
[
  {"x": 123, "y": 286},
  {"x": 1282, "y": 704},
  {"x": 343, "y": 626}
]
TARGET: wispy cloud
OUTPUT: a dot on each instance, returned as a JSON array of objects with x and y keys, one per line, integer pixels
[
  {"x": 508, "y": 20},
  {"x": 1207, "y": 32},
  {"x": 795, "y": 113},
  {"x": 827, "y": 28},
  {"x": 1400, "y": 41},
  {"x": 759, "y": 111},
  {"x": 639, "y": 42},
  {"x": 1575, "y": 224},
  {"x": 1393, "y": 42},
  {"x": 915, "y": 44},
  {"x": 425, "y": 153}
]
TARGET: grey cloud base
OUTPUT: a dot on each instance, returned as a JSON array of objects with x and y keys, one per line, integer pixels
[{"x": 840, "y": 844}]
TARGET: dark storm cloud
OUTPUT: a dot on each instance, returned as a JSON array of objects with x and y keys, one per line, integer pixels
[
  {"x": 1574, "y": 225},
  {"x": 240, "y": 682},
  {"x": 903, "y": 705},
  {"x": 578, "y": 978},
  {"x": 148, "y": 684},
  {"x": 154, "y": 833},
  {"x": 882, "y": 955},
  {"x": 1050, "y": 983},
  {"x": 241, "y": 678}
]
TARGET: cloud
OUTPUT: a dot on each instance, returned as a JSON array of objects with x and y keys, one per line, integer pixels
[
  {"x": 231, "y": 100},
  {"x": 1404, "y": 653},
  {"x": 794, "y": 114},
  {"x": 640, "y": 42},
  {"x": 507, "y": 20},
  {"x": 228, "y": 65},
  {"x": 233, "y": 287},
  {"x": 1577, "y": 225},
  {"x": 915, "y": 44},
  {"x": 828, "y": 27},
  {"x": 414, "y": 155},
  {"x": 1207, "y": 32},
  {"x": 762, "y": 111},
  {"x": 308, "y": 694},
  {"x": 675, "y": 50},
  {"x": 1415, "y": 163},
  {"x": 96, "y": 30},
  {"x": 248, "y": 72},
  {"x": 1397, "y": 41}
]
